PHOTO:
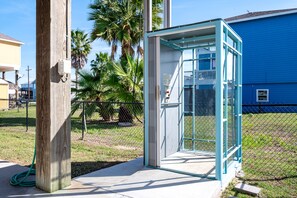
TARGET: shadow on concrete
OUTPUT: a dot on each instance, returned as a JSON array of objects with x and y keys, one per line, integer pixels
[
  {"x": 128, "y": 179},
  {"x": 7, "y": 170},
  {"x": 82, "y": 168}
]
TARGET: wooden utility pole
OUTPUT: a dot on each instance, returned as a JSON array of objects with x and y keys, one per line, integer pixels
[
  {"x": 17, "y": 86},
  {"x": 53, "y": 160}
]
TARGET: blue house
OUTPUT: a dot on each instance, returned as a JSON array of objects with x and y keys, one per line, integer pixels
[
  {"x": 24, "y": 90},
  {"x": 270, "y": 56}
]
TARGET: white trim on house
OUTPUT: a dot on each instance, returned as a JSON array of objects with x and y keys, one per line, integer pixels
[
  {"x": 11, "y": 41},
  {"x": 3, "y": 82},
  {"x": 11, "y": 67},
  {"x": 263, "y": 16}
]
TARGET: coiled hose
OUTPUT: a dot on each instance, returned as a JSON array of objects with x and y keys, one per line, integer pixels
[{"x": 20, "y": 179}]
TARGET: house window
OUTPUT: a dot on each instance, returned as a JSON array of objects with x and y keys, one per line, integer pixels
[
  {"x": 262, "y": 95},
  {"x": 207, "y": 61}
]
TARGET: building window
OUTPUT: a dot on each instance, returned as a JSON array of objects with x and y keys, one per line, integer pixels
[
  {"x": 207, "y": 61},
  {"x": 262, "y": 95}
]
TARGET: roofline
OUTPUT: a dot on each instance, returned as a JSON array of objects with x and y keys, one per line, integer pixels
[
  {"x": 12, "y": 41},
  {"x": 263, "y": 16},
  {"x": 185, "y": 25},
  {"x": 3, "y": 82}
]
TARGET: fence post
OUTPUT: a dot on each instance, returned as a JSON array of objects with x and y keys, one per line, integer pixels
[
  {"x": 27, "y": 119},
  {"x": 83, "y": 122}
]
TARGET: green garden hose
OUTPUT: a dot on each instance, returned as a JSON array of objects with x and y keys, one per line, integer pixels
[{"x": 20, "y": 178}]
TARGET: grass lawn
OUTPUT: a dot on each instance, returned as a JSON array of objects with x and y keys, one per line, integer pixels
[
  {"x": 269, "y": 154},
  {"x": 269, "y": 146},
  {"x": 269, "y": 150},
  {"x": 104, "y": 145}
]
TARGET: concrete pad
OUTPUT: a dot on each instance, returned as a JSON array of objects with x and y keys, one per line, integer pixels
[
  {"x": 7, "y": 170},
  {"x": 124, "y": 180},
  {"x": 190, "y": 162},
  {"x": 131, "y": 179},
  {"x": 112, "y": 175},
  {"x": 148, "y": 183},
  {"x": 77, "y": 189}
]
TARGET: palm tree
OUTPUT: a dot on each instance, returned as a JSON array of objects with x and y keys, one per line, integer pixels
[
  {"x": 121, "y": 21},
  {"x": 103, "y": 15},
  {"x": 80, "y": 49},
  {"x": 92, "y": 88},
  {"x": 126, "y": 81}
]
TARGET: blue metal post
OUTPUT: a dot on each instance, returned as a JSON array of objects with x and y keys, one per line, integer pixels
[
  {"x": 237, "y": 113},
  {"x": 239, "y": 129},
  {"x": 225, "y": 84}
]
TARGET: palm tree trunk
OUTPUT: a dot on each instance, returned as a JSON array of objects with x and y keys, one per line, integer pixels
[
  {"x": 126, "y": 50},
  {"x": 113, "y": 50}
]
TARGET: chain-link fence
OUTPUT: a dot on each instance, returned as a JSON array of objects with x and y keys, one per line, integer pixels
[
  {"x": 110, "y": 132},
  {"x": 102, "y": 133},
  {"x": 269, "y": 141}
]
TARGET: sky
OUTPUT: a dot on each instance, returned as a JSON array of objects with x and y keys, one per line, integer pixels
[{"x": 18, "y": 20}]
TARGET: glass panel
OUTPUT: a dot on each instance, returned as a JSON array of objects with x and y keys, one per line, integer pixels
[
  {"x": 206, "y": 75},
  {"x": 213, "y": 61},
  {"x": 205, "y": 146},
  {"x": 188, "y": 116},
  {"x": 205, "y": 118},
  {"x": 231, "y": 101},
  {"x": 225, "y": 137},
  {"x": 188, "y": 79},
  {"x": 230, "y": 65},
  {"x": 225, "y": 66},
  {"x": 188, "y": 101},
  {"x": 199, "y": 103},
  {"x": 205, "y": 86},
  {"x": 204, "y": 61},
  {"x": 225, "y": 101},
  {"x": 230, "y": 41},
  {"x": 188, "y": 144}
]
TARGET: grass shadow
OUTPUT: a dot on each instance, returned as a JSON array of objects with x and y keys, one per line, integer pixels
[
  {"x": 76, "y": 124},
  {"x": 17, "y": 121}
]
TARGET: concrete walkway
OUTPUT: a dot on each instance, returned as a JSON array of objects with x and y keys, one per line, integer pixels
[{"x": 126, "y": 180}]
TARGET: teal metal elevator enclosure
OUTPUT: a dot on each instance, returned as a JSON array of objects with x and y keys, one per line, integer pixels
[{"x": 193, "y": 88}]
